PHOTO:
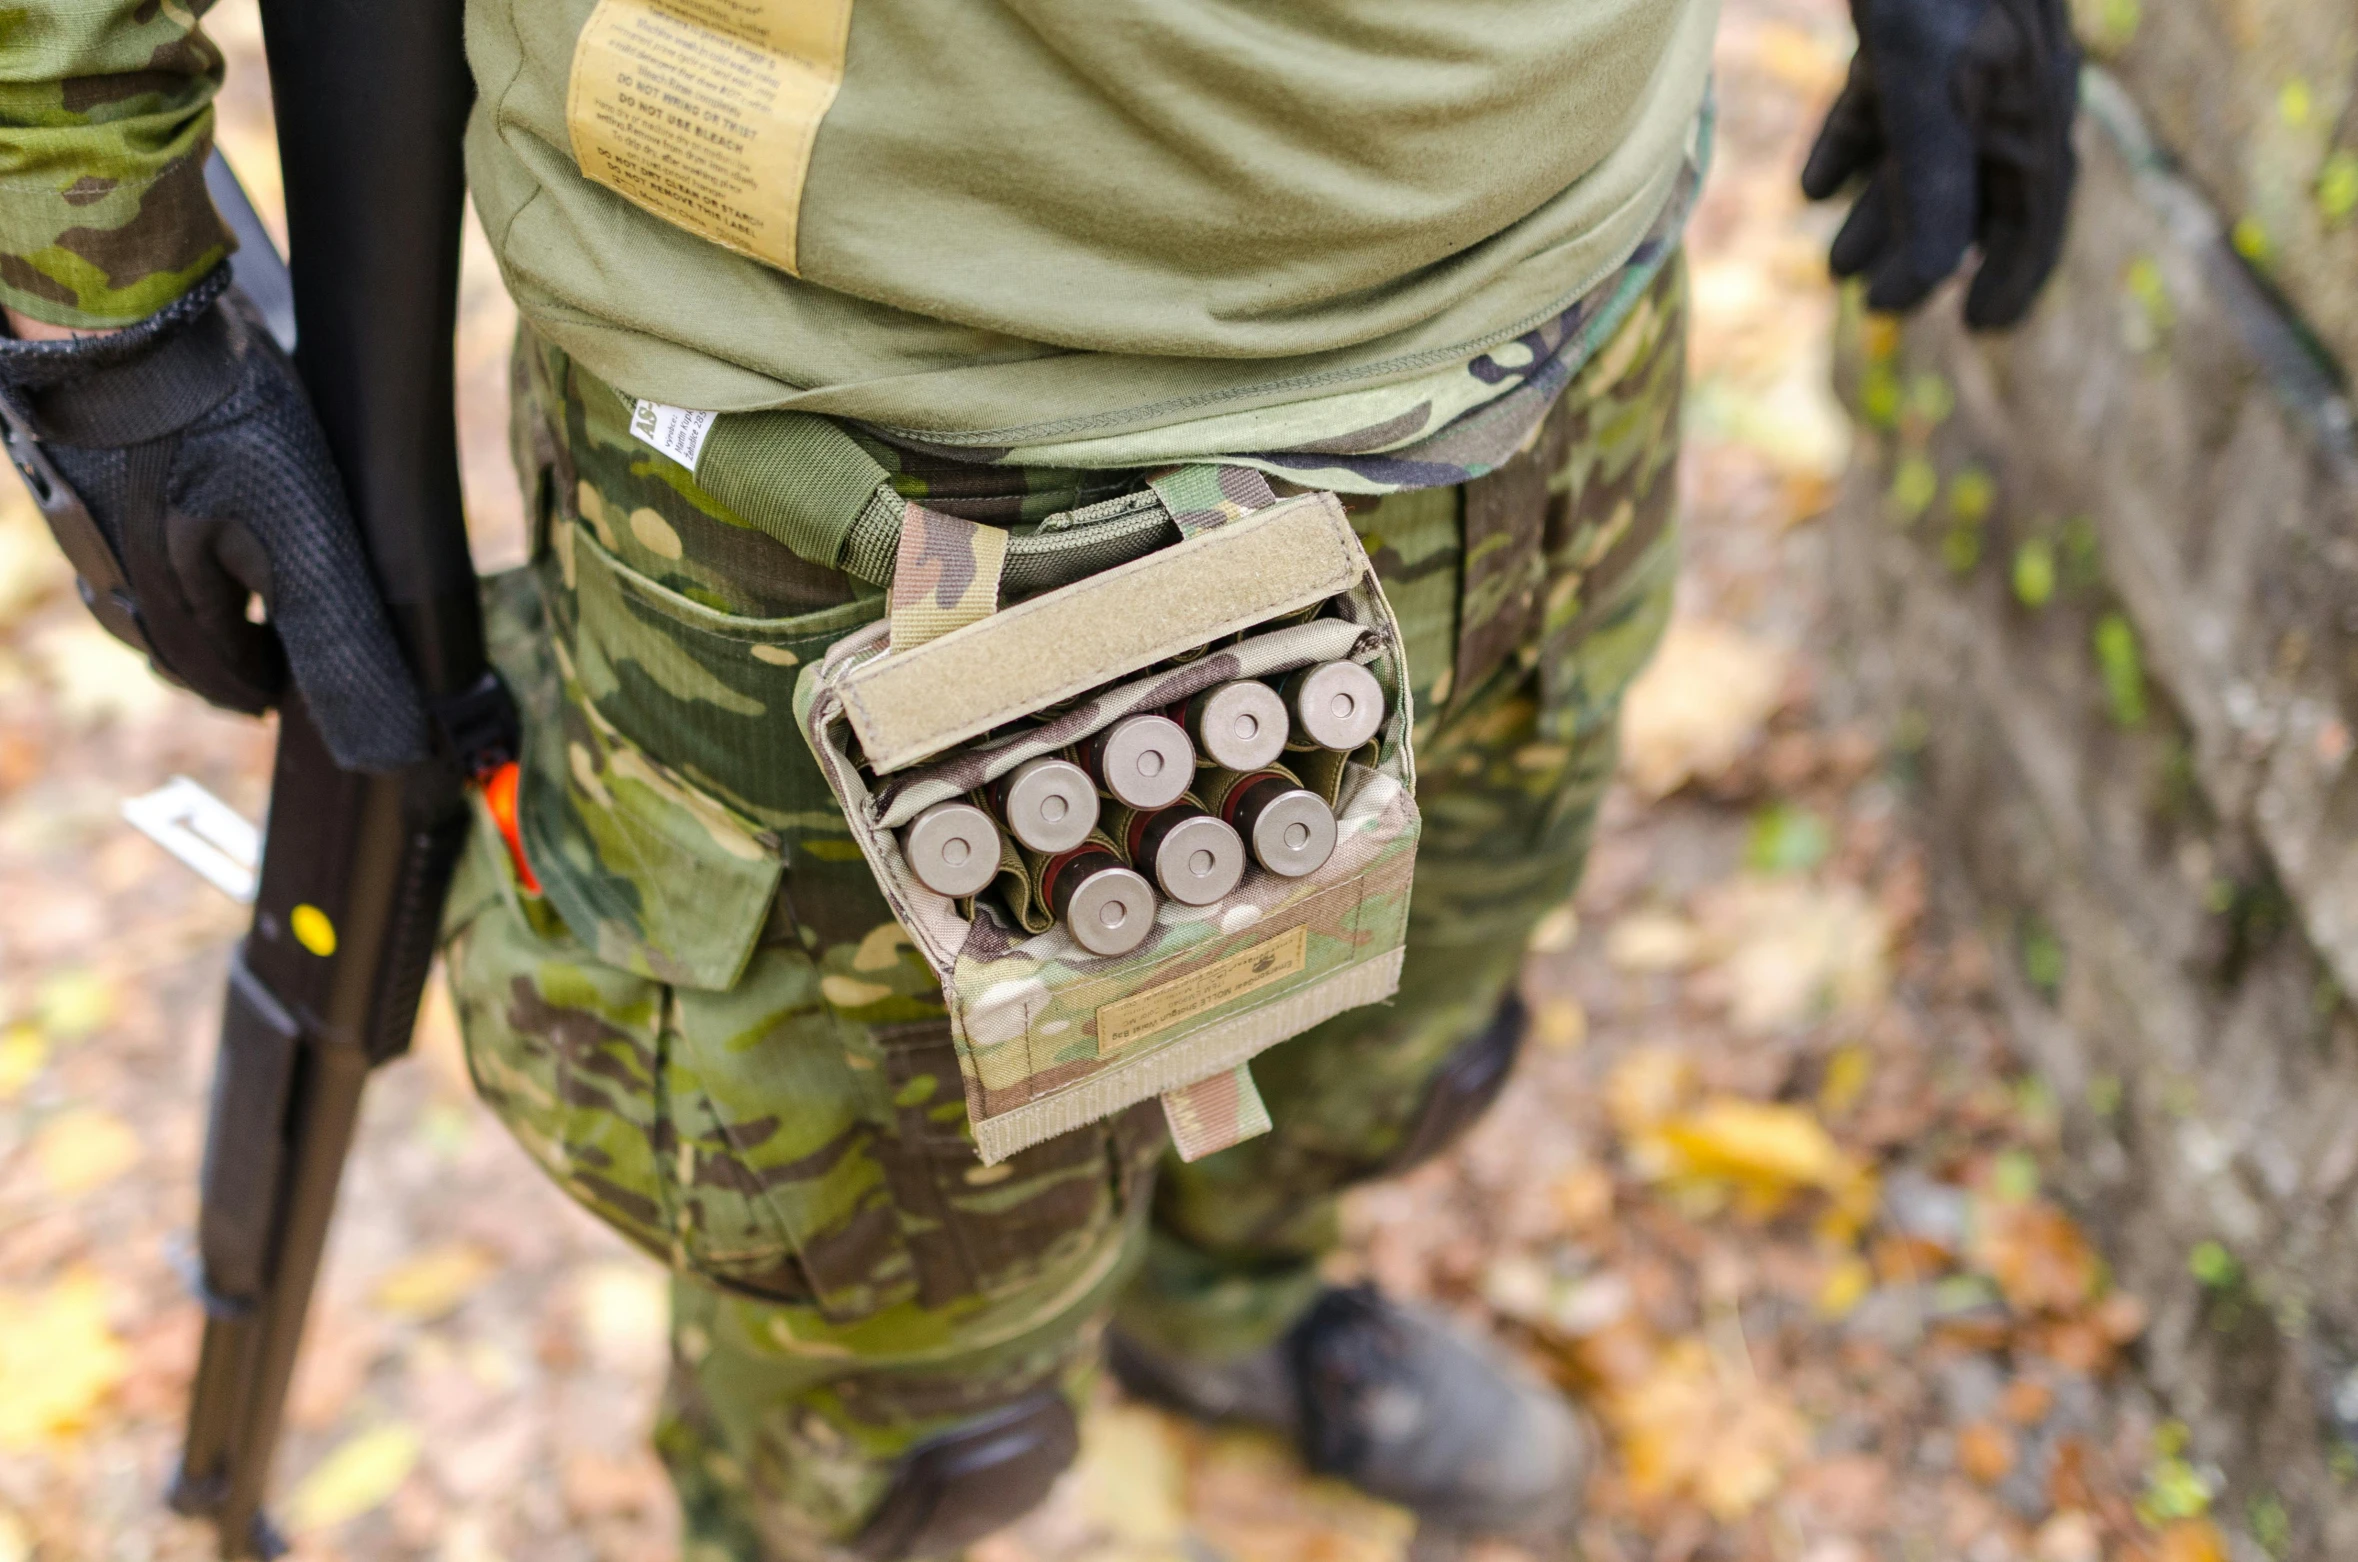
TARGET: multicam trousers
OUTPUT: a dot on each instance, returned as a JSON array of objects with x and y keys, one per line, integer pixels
[{"x": 702, "y": 1021}]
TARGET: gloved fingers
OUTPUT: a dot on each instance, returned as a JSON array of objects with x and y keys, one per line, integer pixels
[
  {"x": 218, "y": 569},
  {"x": 270, "y": 471},
  {"x": 2021, "y": 244},
  {"x": 1866, "y": 234},
  {"x": 1934, "y": 176},
  {"x": 1849, "y": 143}
]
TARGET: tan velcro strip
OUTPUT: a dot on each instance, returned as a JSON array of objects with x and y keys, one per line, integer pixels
[
  {"x": 914, "y": 703},
  {"x": 704, "y": 111}
]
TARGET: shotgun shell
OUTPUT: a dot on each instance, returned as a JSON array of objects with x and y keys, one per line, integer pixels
[
  {"x": 1335, "y": 705},
  {"x": 1107, "y": 907},
  {"x": 1239, "y": 725},
  {"x": 1047, "y": 804},
  {"x": 1141, "y": 761},
  {"x": 953, "y": 848},
  {"x": 1288, "y": 828},
  {"x": 1193, "y": 856}
]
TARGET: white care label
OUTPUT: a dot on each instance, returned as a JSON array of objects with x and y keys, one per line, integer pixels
[
  {"x": 679, "y": 432},
  {"x": 704, "y": 111}
]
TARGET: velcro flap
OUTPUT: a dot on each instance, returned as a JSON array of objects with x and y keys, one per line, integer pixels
[{"x": 913, "y": 703}]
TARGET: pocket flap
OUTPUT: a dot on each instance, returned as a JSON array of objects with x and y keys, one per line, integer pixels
[
  {"x": 655, "y": 875},
  {"x": 916, "y": 702}
]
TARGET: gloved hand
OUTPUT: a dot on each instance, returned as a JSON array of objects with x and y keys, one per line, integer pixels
[
  {"x": 1959, "y": 113},
  {"x": 191, "y": 446}
]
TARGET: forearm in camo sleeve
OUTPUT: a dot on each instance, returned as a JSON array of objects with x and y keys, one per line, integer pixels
[{"x": 106, "y": 116}]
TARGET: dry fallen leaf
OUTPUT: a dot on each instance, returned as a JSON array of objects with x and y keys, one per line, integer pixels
[
  {"x": 434, "y": 1282},
  {"x": 1652, "y": 940},
  {"x": 1698, "y": 706},
  {"x": 1559, "y": 1024},
  {"x": 2192, "y": 1540},
  {"x": 2070, "y": 1536},
  {"x": 2038, "y": 1255},
  {"x": 1646, "y": 1086},
  {"x": 1132, "y": 1476},
  {"x": 1985, "y": 1452},
  {"x": 23, "y": 1052},
  {"x": 58, "y": 1360},
  {"x": 1784, "y": 951},
  {"x": 1763, "y": 1151},
  {"x": 83, "y": 1149},
  {"x": 1846, "y": 1285},
  {"x": 1689, "y": 1429},
  {"x": 360, "y": 1473}
]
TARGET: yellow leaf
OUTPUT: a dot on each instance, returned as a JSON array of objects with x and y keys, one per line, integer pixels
[
  {"x": 1646, "y": 1086},
  {"x": 1848, "y": 1073},
  {"x": 363, "y": 1471},
  {"x": 15, "y": 1544},
  {"x": 73, "y": 1003},
  {"x": 84, "y": 1149},
  {"x": 1560, "y": 1023},
  {"x": 23, "y": 1052},
  {"x": 1756, "y": 1142},
  {"x": 1846, "y": 1285},
  {"x": 435, "y": 1281},
  {"x": 58, "y": 1359},
  {"x": 1688, "y": 1430}
]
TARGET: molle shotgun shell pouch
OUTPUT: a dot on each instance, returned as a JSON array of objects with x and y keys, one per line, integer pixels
[{"x": 982, "y": 667}]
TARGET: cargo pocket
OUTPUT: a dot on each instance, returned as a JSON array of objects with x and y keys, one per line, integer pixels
[
  {"x": 976, "y": 1231},
  {"x": 564, "y": 1048},
  {"x": 663, "y": 800}
]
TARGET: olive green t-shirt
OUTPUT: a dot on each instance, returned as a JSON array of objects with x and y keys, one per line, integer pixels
[{"x": 995, "y": 222}]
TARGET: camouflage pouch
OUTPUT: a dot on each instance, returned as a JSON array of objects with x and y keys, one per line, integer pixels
[{"x": 1049, "y": 1036}]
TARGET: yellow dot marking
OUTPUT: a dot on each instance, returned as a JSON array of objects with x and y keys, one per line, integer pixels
[{"x": 313, "y": 930}]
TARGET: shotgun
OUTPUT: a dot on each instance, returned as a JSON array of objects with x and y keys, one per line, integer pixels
[{"x": 371, "y": 97}]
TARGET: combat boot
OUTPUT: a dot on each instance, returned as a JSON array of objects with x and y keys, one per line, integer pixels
[{"x": 1397, "y": 1402}]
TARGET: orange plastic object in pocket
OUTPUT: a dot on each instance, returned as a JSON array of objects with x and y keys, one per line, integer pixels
[{"x": 499, "y": 795}]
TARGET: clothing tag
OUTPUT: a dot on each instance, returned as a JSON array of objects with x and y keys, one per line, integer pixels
[
  {"x": 678, "y": 432},
  {"x": 704, "y": 111}
]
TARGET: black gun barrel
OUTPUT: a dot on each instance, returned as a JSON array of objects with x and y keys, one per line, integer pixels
[{"x": 371, "y": 97}]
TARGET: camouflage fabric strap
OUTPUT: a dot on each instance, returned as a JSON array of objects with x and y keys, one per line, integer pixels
[
  {"x": 1215, "y": 1112},
  {"x": 805, "y": 482},
  {"x": 945, "y": 575},
  {"x": 1201, "y": 496}
]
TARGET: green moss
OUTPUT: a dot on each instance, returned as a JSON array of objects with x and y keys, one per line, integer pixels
[
  {"x": 2034, "y": 573},
  {"x": 2122, "y": 667}
]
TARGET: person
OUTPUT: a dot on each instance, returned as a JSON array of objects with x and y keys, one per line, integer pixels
[{"x": 1425, "y": 257}]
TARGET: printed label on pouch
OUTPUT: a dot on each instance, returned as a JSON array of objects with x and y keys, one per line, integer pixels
[
  {"x": 678, "y": 432},
  {"x": 704, "y": 111},
  {"x": 1183, "y": 998}
]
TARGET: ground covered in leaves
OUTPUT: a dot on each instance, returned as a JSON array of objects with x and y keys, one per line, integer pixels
[{"x": 1765, "y": 1195}]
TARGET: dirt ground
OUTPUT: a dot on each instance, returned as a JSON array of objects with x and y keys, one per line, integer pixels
[{"x": 1764, "y": 1195}]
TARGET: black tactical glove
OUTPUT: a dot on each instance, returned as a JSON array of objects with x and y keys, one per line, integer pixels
[
  {"x": 1959, "y": 113},
  {"x": 196, "y": 480}
]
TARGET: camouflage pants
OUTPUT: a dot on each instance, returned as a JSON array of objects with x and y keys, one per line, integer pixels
[{"x": 747, "y": 1070}]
